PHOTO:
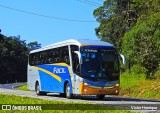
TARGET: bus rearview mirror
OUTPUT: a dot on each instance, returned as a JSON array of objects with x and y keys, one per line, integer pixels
[
  {"x": 79, "y": 56},
  {"x": 123, "y": 59}
]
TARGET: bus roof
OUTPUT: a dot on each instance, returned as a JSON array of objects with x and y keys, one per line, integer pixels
[{"x": 80, "y": 42}]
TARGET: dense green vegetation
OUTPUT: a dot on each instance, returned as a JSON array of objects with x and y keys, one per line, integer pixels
[
  {"x": 135, "y": 85},
  {"x": 13, "y": 58},
  {"x": 133, "y": 27},
  {"x": 142, "y": 44},
  {"x": 74, "y": 108}
]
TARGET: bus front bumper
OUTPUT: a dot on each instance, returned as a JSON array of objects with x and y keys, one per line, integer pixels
[{"x": 93, "y": 90}]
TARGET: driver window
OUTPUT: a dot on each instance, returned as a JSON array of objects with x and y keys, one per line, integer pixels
[{"x": 75, "y": 59}]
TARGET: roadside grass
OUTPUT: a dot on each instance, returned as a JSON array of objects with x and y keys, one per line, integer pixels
[
  {"x": 75, "y": 107},
  {"x": 136, "y": 85},
  {"x": 23, "y": 87}
]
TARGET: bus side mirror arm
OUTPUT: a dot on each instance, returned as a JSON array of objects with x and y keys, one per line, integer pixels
[{"x": 123, "y": 59}]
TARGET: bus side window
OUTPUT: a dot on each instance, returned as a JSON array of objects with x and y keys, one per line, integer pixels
[
  {"x": 37, "y": 59},
  {"x": 57, "y": 55},
  {"x": 54, "y": 55},
  {"x": 46, "y": 57},
  {"x": 41, "y": 58},
  {"x": 75, "y": 60},
  {"x": 65, "y": 55},
  {"x": 50, "y": 56},
  {"x": 31, "y": 59}
]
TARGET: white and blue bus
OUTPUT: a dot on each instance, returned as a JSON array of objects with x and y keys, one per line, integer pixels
[{"x": 75, "y": 67}]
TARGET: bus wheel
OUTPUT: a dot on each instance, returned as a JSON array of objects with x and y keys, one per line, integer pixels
[
  {"x": 101, "y": 97},
  {"x": 68, "y": 94},
  {"x": 37, "y": 89},
  {"x": 62, "y": 94}
]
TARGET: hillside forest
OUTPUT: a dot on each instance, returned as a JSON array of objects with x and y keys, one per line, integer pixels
[{"x": 13, "y": 58}]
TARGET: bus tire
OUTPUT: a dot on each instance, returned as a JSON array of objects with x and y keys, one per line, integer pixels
[
  {"x": 67, "y": 90},
  {"x": 37, "y": 89},
  {"x": 62, "y": 94},
  {"x": 100, "y": 96}
]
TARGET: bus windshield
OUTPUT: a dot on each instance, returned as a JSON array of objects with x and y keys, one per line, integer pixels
[{"x": 99, "y": 64}]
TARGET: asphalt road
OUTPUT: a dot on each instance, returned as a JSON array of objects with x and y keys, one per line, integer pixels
[
  {"x": 115, "y": 101},
  {"x": 11, "y": 86}
]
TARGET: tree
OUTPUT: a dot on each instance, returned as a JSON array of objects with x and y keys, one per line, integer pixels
[
  {"x": 33, "y": 45},
  {"x": 142, "y": 44},
  {"x": 112, "y": 21},
  {"x": 13, "y": 58}
]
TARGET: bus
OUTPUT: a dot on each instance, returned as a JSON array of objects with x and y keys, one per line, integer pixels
[{"x": 75, "y": 67}]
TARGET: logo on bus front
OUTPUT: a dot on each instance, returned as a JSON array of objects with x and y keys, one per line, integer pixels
[{"x": 59, "y": 70}]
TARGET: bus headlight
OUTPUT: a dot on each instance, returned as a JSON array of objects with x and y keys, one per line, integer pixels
[
  {"x": 85, "y": 84},
  {"x": 117, "y": 85}
]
